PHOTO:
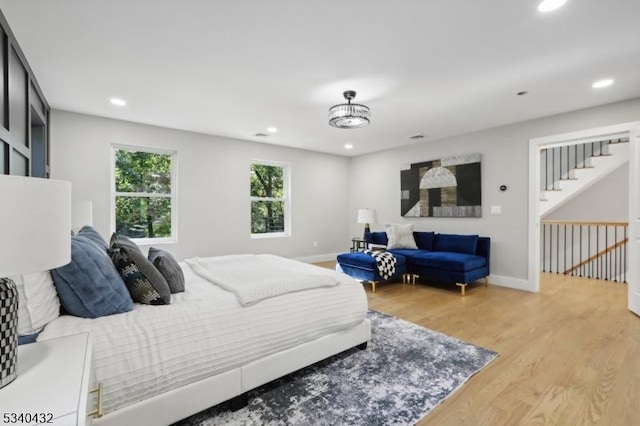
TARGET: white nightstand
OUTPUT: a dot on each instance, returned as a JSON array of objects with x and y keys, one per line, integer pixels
[{"x": 52, "y": 384}]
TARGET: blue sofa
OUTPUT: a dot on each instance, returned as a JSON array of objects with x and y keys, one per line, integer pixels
[{"x": 454, "y": 258}]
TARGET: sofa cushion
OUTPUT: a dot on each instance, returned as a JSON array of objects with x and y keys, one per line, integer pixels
[
  {"x": 455, "y": 262},
  {"x": 456, "y": 243},
  {"x": 408, "y": 254},
  {"x": 400, "y": 236},
  {"x": 376, "y": 238},
  {"x": 365, "y": 261},
  {"x": 424, "y": 240}
]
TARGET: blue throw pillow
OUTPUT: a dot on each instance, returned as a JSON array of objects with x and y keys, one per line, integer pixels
[
  {"x": 91, "y": 233},
  {"x": 377, "y": 238},
  {"x": 90, "y": 286},
  {"x": 456, "y": 243},
  {"x": 424, "y": 240}
]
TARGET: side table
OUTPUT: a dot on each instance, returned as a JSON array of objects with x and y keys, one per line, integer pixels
[
  {"x": 53, "y": 383},
  {"x": 358, "y": 244}
]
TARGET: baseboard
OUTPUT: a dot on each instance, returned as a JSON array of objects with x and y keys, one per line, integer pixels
[
  {"x": 511, "y": 282},
  {"x": 327, "y": 257}
]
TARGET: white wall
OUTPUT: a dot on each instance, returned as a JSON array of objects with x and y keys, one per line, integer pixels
[
  {"x": 605, "y": 201},
  {"x": 213, "y": 186},
  {"x": 375, "y": 182}
]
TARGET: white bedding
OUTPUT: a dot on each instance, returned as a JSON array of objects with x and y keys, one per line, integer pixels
[
  {"x": 255, "y": 277},
  {"x": 205, "y": 331}
]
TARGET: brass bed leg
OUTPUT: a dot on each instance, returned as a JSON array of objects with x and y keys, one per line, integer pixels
[
  {"x": 373, "y": 286},
  {"x": 413, "y": 278},
  {"x": 462, "y": 288},
  {"x": 486, "y": 281},
  {"x": 405, "y": 278}
]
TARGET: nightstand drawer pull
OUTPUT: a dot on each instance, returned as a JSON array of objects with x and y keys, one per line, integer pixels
[{"x": 98, "y": 411}]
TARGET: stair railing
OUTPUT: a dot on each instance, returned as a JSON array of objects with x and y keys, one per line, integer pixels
[
  {"x": 558, "y": 163},
  {"x": 585, "y": 249}
]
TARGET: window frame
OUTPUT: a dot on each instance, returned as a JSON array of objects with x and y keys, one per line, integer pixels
[
  {"x": 286, "y": 191},
  {"x": 173, "y": 238}
]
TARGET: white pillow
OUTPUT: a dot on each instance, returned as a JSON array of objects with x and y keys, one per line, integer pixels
[
  {"x": 400, "y": 236},
  {"x": 38, "y": 302}
]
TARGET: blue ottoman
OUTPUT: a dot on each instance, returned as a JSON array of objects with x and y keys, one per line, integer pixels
[{"x": 362, "y": 266}]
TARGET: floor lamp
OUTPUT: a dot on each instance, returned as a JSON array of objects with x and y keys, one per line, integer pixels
[{"x": 35, "y": 235}]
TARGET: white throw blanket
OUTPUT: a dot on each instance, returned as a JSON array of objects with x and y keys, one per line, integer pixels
[{"x": 254, "y": 277}]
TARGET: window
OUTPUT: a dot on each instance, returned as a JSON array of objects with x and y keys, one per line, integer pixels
[
  {"x": 144, "y": 194},
  {"x": 269, "y": 200}
]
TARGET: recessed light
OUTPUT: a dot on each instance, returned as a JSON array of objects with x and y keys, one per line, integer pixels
[
  {"x": 272, "y": 129},
  {"x": 602, "y": 83},
  {"x": 524, "y": 92},
  {"x": 118, "y": 102},
  {"x": 549, "y": 5},
  {"x": 348, "y": 146}
]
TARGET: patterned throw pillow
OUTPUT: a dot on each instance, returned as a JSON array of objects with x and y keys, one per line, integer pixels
[
  {"x": 144, "y": 265},
  {"x": 140, "y": 288},
  {"x": 169, "y": 268}
]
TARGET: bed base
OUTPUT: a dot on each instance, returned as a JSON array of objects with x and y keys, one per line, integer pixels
[
  {"x": 238, "y": 402},
  {"x": 182, "y": 402}
]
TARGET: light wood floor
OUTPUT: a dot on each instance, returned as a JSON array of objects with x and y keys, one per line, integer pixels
[{"x": 569, "y": 355}]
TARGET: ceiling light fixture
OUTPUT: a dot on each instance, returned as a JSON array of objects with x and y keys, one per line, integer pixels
[
  {"x": 602, "y": 83},
  {"x": 549, "y": 5},
  {"x": 118, "y": 102},
  {"x": 272, "y": 129},
  {"x": 348, "y": 146},
  {"x": 349, "y": 116}
]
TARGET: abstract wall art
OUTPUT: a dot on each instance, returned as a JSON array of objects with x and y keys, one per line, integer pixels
[{"x": 448, "y": 187}]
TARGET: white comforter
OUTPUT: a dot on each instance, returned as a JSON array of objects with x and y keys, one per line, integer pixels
[
  {"x": 255, "y": 277},
  {"x": 205, "y": 331}
]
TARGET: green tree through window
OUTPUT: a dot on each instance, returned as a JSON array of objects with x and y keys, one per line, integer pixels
[
  {"x": 269, "y": 203},
  {"x": 143, "y": 193}
]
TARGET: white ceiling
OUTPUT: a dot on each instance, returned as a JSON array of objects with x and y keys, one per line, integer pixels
[{"x": 232, "y": 68}]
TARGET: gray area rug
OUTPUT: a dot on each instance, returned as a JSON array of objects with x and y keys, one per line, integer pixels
[{"x": 405, "y": 372}]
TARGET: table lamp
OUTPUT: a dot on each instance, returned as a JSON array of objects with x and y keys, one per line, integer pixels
[
  {"x": 367, "y": 216},
  {"x": 35, "y": 224}
]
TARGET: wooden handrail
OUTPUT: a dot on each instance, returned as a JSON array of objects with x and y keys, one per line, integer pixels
[
  {"x": 583, "y": 223},
  {"x": 597, "y": 255}
]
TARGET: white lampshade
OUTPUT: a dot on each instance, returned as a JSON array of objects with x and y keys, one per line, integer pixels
[
  {"x": 35, "y": 224},
  {"x": 81, "y": 215},
  {"x": 367, "y": 216}
]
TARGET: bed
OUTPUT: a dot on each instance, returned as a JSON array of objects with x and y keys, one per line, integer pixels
[{"x": 160, "y": 364}]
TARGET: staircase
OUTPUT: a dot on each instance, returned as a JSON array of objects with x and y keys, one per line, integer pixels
[{"x": 569, "y": 169}]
